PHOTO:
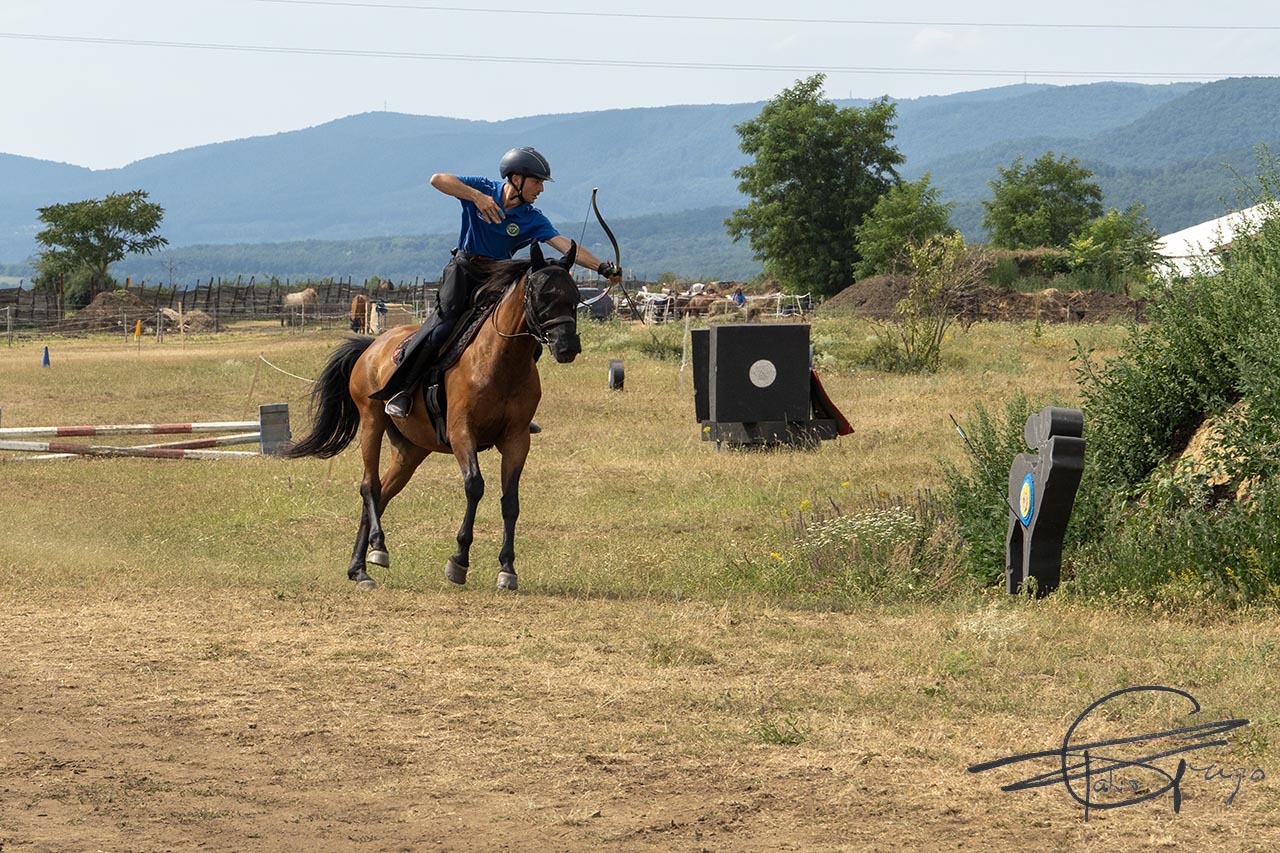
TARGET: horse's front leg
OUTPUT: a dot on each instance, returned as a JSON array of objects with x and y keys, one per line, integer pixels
[
  {"x": 473, "y": 485},
  {"x": 514, "y": 454}
]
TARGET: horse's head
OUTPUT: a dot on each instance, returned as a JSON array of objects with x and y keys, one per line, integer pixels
[{"x": 551, "y": 303}]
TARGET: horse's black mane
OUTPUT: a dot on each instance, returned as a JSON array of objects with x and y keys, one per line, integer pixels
[{"x": 505, "y": 273}]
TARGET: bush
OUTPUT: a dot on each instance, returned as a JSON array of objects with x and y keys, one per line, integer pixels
[
  {"x": 1160, "y": 527},
  {"x": 943, "y": 271},
  {"x": 1181, "y": 549},
  {"x": 79, "y": 287},
  {"x": 1024, "y": 263}
]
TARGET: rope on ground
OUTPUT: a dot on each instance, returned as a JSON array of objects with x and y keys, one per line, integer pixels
[{"x": 285, "y": 372}]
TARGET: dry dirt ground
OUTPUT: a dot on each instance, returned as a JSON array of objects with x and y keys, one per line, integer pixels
[{"x": 177, "y": 720}]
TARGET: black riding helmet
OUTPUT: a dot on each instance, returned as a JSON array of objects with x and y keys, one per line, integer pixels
[{"x": 524, "y": 161}]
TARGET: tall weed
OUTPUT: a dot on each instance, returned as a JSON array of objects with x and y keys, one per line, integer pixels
[
  {"x": 878, "y": 546},
  {"x": 976, "y": 493}
]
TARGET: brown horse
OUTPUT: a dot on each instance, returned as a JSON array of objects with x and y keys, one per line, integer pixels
[
  {"x": 360, "y": 313},
  {"x": 492, "y": 392}
]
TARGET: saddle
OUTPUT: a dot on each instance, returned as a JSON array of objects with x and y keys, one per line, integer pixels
[{"x": 464, "y": 332}]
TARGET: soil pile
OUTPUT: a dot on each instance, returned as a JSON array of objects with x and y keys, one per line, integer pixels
[
  {"x": 120, "y": 311},
  {"x": 878, "y": 297},
  {"x": 110, "y": 310},
  {"x": 194, "y": 320}
]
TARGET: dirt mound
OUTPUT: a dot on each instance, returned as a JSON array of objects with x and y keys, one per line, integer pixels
[
  {"x": 878, "y": 297},
  {"x": 194, "y": 320},
  {"x": 120, "y": 311},
  {"x": 110, "y": 310},
  {"x": 1049, "y": 306},
  {"x": 875, "y": 297}
]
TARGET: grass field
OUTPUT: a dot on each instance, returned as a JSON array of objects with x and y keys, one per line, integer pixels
[{"x": 188, "y": 667}]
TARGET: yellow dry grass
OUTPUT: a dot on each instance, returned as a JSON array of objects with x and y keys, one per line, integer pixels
[{"x": 187, "y": 666}]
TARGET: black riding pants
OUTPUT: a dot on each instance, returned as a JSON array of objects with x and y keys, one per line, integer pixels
[{"x": 458, "y": 282}]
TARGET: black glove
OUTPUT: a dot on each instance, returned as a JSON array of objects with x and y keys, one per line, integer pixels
[{"x": 608, "y": 269}]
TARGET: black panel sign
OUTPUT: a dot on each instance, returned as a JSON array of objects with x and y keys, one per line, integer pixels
[{"x": 758, "y": 373}]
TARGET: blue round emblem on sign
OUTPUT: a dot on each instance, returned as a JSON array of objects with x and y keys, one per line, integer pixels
[{"x": 1027, "y": 500}]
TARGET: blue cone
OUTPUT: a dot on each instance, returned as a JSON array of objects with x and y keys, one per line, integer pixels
[{"x": 45, "y": 361}]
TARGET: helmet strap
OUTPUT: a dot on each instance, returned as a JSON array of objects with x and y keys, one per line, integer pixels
[{"x": 519, "y": 188}]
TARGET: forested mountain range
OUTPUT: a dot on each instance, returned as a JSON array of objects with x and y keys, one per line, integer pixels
[{"x": 665, "y": 175}]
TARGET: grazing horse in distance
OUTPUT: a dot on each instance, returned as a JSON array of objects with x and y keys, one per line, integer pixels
[
  {"x": 360, "y": 314},
  {"x": 301, "y": 298},
  {"x": 295, "y": 305},
  {"x": 492, "y": 392}
]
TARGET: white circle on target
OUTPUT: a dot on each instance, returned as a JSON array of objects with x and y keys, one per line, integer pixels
[{"x": 762, "y": 373}]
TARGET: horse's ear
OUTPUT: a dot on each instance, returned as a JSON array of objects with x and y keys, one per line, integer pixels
[
  {"x": 535, "y": 255},
  {"x": 569, "y": 256}
]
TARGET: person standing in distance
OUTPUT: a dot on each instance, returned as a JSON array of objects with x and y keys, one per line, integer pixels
[{"x": 498, "y": 220}]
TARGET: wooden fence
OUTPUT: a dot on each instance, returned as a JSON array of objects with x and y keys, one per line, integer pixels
[{"x": 222, "y": 300}]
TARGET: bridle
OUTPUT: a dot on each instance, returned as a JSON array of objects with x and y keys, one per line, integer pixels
[{"x": 537, "y": 329}]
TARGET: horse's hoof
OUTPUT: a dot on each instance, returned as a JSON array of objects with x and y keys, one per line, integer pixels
[
  {"x": 366, "y": 583},
  {"x": 454, "y": 572},
  {"x": 380, "y": 558},
  {"x": 507, "y": 580}
]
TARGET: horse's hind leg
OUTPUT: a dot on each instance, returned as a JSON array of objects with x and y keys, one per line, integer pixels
[
  {"x": 369, "y": 536},
  {"x": 405, "y": 459}
]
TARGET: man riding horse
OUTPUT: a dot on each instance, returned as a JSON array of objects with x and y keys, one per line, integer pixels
[{"x": 498, "y": 220}]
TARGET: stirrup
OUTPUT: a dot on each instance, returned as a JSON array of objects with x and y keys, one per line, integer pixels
[{"x": 399, "y": 405}]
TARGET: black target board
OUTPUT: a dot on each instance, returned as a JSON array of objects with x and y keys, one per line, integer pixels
[
  {"x": 758, "y": 372},
  {"x": 700, "y": 341}
]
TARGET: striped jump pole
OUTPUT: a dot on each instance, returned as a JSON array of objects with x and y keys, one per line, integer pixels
[
  {"x": 191, "y": 444},
  {"x": 61, "y": 447},
  {"x": 128, "y": 429},
  {"x": 271, "y": 432}
]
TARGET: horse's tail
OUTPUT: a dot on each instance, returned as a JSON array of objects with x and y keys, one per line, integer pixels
[{"x": 336, "y": 416}]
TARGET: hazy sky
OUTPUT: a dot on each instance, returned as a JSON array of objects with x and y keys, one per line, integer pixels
[{"x": 101, "y": 83}]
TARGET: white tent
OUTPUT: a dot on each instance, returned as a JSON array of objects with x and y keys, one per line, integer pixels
[{"x": 1202, "y": 245}]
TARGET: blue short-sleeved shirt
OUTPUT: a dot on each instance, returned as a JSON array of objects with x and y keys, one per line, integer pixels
[{"x": 523, "y": 224}]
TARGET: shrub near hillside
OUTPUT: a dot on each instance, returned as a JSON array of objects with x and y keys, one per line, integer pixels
[
  {"x": 1202, "y": 527},
  {"x": 1152, "y": 521}
]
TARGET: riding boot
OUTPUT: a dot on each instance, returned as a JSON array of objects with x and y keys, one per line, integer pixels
[
  {"x": 400, "y": 405},
  {"x": 415, "y": 354},
  {"x": 534, "y": 429}
]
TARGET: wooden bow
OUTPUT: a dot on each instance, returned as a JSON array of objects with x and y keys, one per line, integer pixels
[{"x": 617, "y": 253}]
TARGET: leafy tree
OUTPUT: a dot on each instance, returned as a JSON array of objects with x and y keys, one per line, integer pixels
[
  {"x": 817, "y": 170},
  {"x": 1119, "y": 246},
  {"x": 1043, "y": 204},
  {"x": 909, "y": 214},
  {"x": 91, "y": 235}
]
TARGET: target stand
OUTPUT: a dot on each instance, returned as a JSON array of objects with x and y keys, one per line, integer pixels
[
  {"x": 753, "y": 387},
  {"x": 1042, "y": 486}
]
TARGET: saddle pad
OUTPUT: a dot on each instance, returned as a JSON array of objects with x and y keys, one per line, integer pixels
[{"x": 463, "y": 334}]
